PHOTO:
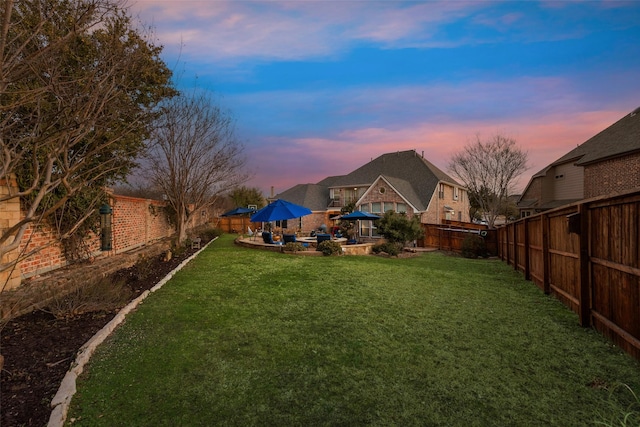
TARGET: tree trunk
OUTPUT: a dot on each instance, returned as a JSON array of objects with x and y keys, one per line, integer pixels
[{"x": 182, "y": 220}]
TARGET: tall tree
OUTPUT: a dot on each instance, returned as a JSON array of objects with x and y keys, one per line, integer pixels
[
  {"x": 78, "y": 86},
  {"x": 245, "y": 196},
  {"x": 489, "y": 169},
  {"x": 194, "y": 155}
]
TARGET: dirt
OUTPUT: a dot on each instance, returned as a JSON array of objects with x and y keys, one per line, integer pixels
[{"x": 38, "y": 349}]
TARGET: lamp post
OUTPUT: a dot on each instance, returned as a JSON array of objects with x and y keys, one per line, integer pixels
[{"x": 105, "y": 227}]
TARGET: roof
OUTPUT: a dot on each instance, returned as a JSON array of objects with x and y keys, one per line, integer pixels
[
  {"x": 312, "y": 196},
  {"x": 408, "y": 172},
  {"x": 413, "y": 175},
  {"x": 620, "y": 138}
]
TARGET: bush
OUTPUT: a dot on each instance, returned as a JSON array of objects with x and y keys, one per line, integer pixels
[
  {"x": 398, "y": 228},
  {"x": 210, "y": 233},
  {"x": 103, "y": 295},
  {"x": 294, "y": 247},
  {"x": 389, "y": 248},
  {"x": 329, "y": 247},
  {"x": 473, "y": 246}
]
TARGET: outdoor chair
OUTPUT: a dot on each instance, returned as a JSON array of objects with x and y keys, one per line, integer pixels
[
  {"x": 289, "y": 238},
  {"x": 267, "y": 238},
  {"x": 195, "y": 243},
  {"x": 322, "y": 237}
]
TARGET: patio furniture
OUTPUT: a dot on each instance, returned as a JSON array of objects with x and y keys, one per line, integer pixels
[
  {"x": 289, "y": 238},
  {"x": 267, "y": 238},
  {"x": 195, "y": 243},
  {"x": 322, "y": 237}
]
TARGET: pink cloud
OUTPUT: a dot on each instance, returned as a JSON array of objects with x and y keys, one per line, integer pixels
[{"x": 309, "y": 160}]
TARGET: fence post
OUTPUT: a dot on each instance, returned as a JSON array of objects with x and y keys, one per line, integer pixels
[
  {"x": 515, "y": 247},
  {"x": 585, "y": 285},
  {"x": 546, "y": 287},
  {"x": 527, "y": 268}
]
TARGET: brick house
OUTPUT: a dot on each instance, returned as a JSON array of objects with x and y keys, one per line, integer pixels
[
  {"x": 403, "y": 181},
  {"x": 605, "y": 164}
]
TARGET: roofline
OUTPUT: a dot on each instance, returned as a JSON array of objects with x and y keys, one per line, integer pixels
[
  {"x": 394, "y": 189},
  {"x": 602, "y": 159}
]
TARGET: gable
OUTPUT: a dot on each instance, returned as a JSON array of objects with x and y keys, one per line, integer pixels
[
  {"x": 400, "y": 188},
  {"x": 415, "y": 177}
]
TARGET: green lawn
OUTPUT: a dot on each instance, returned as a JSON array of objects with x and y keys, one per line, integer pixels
[{"x": 247, "y": 337}]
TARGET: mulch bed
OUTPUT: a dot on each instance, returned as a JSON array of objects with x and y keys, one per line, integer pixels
[{"x": 38, "y": 350}]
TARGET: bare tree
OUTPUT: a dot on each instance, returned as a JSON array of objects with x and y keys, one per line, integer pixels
[
  {"x": 489, "y": 169},
  {"x": 194, "y": 155},
  {"x": 78, "y": 84}
]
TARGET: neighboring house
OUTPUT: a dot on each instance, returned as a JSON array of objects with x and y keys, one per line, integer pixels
[
  {"x": 605, "y": 164},
  {"x": 403, "y": 181}
]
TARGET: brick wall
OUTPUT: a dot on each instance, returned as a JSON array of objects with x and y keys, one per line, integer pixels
[
  {"x": 9, "y": 215},
  {"x": 436, "y": 212},
  {"x": 612, "y": 176},
  {"x": 382, "y": 192},
  {"x": 135, "y": 222}
]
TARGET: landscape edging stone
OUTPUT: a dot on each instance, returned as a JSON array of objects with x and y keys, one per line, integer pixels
[{"x": 67, "y": 389}]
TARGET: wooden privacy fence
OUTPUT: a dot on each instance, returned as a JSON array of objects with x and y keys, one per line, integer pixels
[
  {"x": 588, "y": 256},
  {"x": 236, "y": 224},
  {"x": 449, "y": 236}
]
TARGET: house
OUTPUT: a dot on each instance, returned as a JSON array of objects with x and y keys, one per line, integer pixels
[
  {"x": 403, "y": 181},
  {"x": 605, "y": 164}
]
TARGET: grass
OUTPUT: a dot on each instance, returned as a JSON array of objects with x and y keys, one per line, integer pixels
[{"x": 247, "y": 337}]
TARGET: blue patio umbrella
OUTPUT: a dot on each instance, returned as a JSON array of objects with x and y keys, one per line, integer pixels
[
  {"x": 238, "y": 211},
  {"x": 279, "y": 210},
  {"x": 355, "y": 215},
  {"x": 360, "y": 216}
]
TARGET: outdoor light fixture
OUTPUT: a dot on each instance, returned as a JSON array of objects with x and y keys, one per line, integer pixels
[{"x": 105, "y": 227}]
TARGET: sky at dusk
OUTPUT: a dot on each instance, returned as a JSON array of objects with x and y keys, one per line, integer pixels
[{"x": 319, "y": 88}]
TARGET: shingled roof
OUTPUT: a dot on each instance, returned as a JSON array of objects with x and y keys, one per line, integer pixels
[
  {"x": 410, "y": 173},
  {"x": 312, "y": 196},
  {"x": 622, "y": 137},
  {"x": 417, "y": 172}
]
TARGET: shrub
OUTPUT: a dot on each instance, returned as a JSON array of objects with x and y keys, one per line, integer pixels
[
  {"x": 473, "y": 246},
  {"x": 294, "y": 247},
  {"x": 329, "y": 247},
  {"x": 103, "y": 295},
  {"x": 389, "y": 248},
  {"x": 210, "y": 233},
  {"x": 398, "y": 228}
]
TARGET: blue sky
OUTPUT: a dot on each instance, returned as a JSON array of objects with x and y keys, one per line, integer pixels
[{"x": 318, "y": 88}]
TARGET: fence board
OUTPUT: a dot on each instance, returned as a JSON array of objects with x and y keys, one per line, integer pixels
[{"x": 592, "y": 267}]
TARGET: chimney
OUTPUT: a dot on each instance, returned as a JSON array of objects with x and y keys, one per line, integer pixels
[{"x": 272, "y": 191}]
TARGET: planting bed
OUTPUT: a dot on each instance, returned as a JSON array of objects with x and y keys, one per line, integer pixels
[{"x": 38, "y": 349}]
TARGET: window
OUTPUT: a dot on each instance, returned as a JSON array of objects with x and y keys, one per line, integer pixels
[
  {"x": 365, "y": 228},
  {"x": 382, "y": 190},
  {"x": 388, "y": 206},
  {"x": 281, "y": 224},
  {"x": 365, "y": 208},
  {"x": 401, "y": 207},
  {"x": 350, "y": 195},
  {"x": 376, "y": 207},
  {"x": 441, "y": 191},
  {"x": 455, "y": 193}
]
